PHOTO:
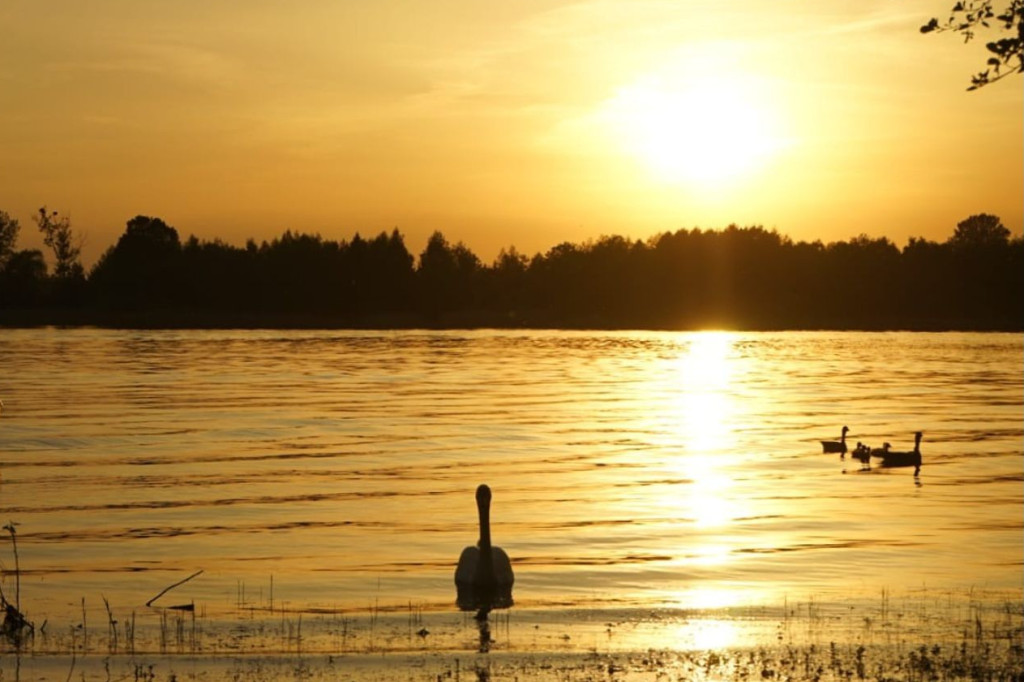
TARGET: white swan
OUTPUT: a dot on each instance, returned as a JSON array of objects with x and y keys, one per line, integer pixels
[{"x": 483, "y": 578}]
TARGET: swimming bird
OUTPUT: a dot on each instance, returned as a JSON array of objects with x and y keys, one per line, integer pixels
[
  {"x": 836, "y": 445},
  {"x": 483, "y": 578},
  {"x": 882, "y": 451},
  {"x": 861, "y": 453},
  {"x": 892, "y": 458}
]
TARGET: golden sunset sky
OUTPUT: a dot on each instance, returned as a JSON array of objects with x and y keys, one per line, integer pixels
[{"x": 525, "y": 122}]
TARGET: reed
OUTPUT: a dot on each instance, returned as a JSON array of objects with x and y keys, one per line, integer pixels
[
  {"x": 928, "y": 636},
  {"x": 111, "y": 628},
  {"x": 15, "y": 628}
]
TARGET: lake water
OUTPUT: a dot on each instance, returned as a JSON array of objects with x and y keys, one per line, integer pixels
[{"x": 336, "y": 470}]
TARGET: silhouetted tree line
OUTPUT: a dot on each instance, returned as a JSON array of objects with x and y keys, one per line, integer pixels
[{"x": 739, "y": 277}]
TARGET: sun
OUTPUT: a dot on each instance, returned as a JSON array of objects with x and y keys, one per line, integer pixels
[{"x": 705, "y": 130}]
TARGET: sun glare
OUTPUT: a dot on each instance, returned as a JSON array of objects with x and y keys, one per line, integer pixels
[
  {"x": 708, "y": 598},
  {"x": 703, "y": 411},
  {"x": 704, "y": 130},
  {"x": 705, "y": 367},
  {"x": 704, "y": 407}
]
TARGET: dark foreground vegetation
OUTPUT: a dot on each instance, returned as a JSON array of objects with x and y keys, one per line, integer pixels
[
  {"x": 919, "y": 639},
  {"x": 739, "y": 277}
]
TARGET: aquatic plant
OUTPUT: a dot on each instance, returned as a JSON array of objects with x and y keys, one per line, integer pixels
[{"x": 15, "y": 628}]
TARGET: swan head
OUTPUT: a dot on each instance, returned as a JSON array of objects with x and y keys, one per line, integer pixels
[
  {"x": 483, "y": 494},
  {"x": 845, "y": 430}
]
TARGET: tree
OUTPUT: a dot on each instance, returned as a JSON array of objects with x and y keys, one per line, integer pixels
[
  {"x": 142, "y": 268},
  {"x": 150, "y": 235},
  {"x": 23, "y": 279},
  {"x": 388, "y": 272},
  {"x": 8, "y": 237},
  {"x": 447, "y": 275},
  {"x": 980, "y": 231},
  {"x": 507, "y": 279},
  {"x": 301, "y": 273},
  {"x": 1008, "y": 53},
  {"x": 58, "y": 236}
]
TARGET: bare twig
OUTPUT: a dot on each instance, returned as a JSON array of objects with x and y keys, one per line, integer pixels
[
  {"x": 17, "y": 566},
  {"x": 171, "y": 587},
  {"x": 72, "y": 668},
  {"x": 112, "y": 627}
]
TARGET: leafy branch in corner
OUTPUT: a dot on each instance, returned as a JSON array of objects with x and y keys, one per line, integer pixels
[{"x": 1008, "y": 53}]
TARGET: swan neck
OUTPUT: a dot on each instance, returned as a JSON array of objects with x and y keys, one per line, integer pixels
[{"x": 484, "y": 510}]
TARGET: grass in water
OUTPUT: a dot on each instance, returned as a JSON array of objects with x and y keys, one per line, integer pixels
[{"x": 925, "y": 636}]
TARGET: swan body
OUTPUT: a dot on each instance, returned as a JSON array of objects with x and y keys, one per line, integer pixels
[
  {"x": 483, "y": 577},
  {"x": 893, "y": 458},
  {"x": 836, "y": 445}
]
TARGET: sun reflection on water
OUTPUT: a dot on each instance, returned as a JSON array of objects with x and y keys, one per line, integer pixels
[
  {"x": 703, "y": 405},
  {"x": 706, "y": 363},
  {"x": 701, "y": 634},
  {"x": 704, "y": 417},
  {"x": 708, "y": 597},
  {"x": 712, "y": 555},
  {"x": 713, "y": 634},
  {"x": 709, "y": 501}
]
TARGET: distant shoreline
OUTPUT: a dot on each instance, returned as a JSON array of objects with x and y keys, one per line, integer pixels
[
  {"x": 737, "y": 278},
  {"x": 183, "y": 320}
]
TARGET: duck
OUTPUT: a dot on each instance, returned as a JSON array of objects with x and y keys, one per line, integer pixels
[
  {"x": 483, "y": 577},
  {"x": 861, "y": 453},
  {"x": 836, "y": 445},
  {"x": 912, "y": 458},
  {"x": 882, "y": 451}
]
